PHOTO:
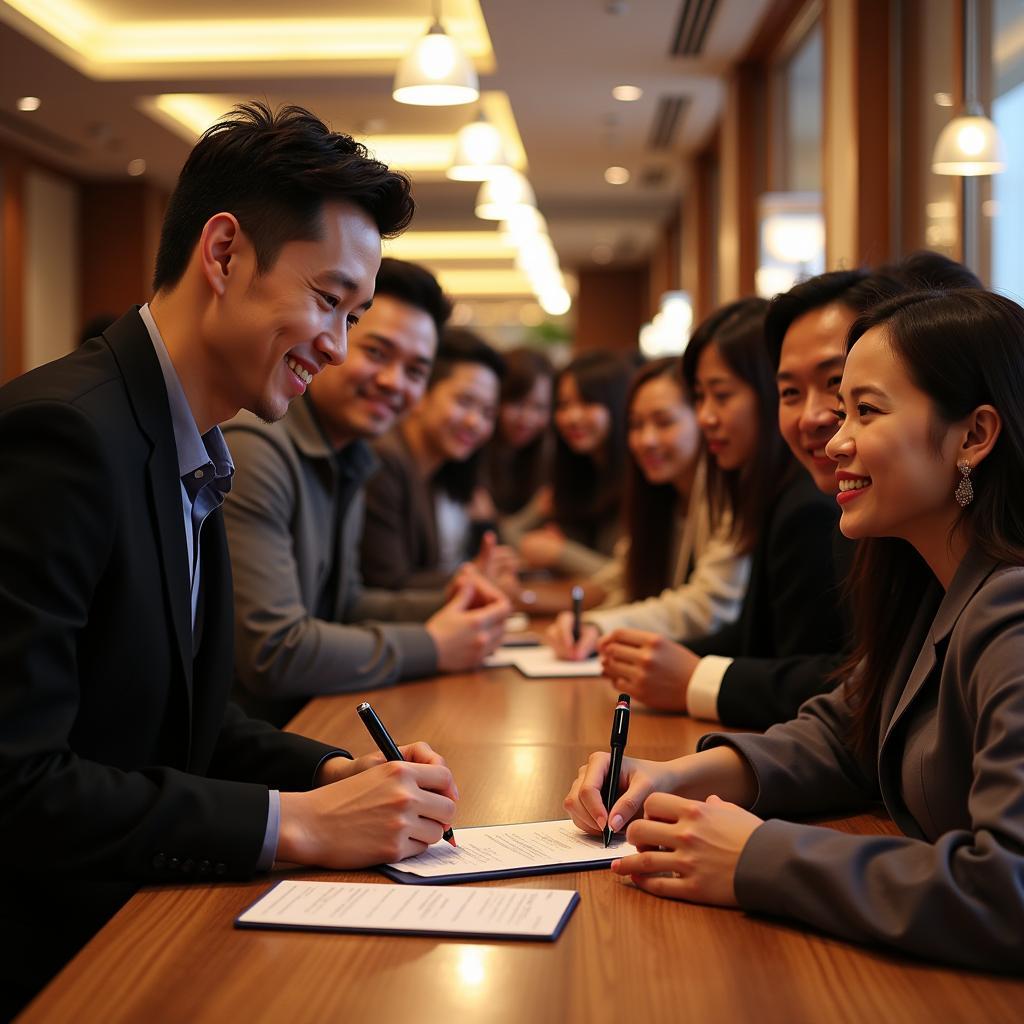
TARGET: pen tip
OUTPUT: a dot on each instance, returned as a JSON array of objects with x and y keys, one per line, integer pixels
[{"x": 607, "y": 838}]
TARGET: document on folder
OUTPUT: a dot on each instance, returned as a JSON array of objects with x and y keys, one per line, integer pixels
[
  {"x": 509, "y": 851},
  {"x": 542, "y": 663},
  {"x": 492, "y": 913}
]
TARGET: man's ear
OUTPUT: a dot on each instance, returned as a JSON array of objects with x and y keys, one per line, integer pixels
[
  {"x": 219, "y": 244},
  {"x": 983, "y": 428}
]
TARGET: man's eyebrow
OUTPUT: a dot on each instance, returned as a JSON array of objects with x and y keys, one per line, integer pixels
[{"x": 825, "y": 364}]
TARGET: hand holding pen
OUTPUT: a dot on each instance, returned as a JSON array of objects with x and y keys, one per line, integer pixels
[{"x": 389, "y": 749}]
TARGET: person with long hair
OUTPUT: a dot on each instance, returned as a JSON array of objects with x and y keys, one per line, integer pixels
[
  {"x": 929, "y": 717},
  {"x": 674, "y": 572},
  {"x": 590, "y": 455},
  {"x": 777, "y": 515},
  {"x": 517, "y": 461}
]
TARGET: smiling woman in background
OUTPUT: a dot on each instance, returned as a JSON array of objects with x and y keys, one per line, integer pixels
[
  {"x": 590, "y": 455},
  {"x": 930, "y": 718},
  {"x": 681, "y": 576}
]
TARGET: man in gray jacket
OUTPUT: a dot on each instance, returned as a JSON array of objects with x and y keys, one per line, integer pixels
[{"x": 304, "y": 624}]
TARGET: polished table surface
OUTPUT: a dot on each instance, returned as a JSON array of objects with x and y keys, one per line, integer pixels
[{"x": 514, "y": 745}]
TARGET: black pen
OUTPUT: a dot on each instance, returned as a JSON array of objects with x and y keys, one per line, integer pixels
[
  {"x": 388, "y": 747},
  {"x": 577, "y": 611},
  {"x": 620, "y": 727}
]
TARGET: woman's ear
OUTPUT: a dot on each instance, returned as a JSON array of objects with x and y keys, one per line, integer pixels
[{"x": 983, "y": 428}]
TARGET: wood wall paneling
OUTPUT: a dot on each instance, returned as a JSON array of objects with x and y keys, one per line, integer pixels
[{"x": 611, "y": 307}]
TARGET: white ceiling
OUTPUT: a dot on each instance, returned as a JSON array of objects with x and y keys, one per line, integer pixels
[{"x": 555, "y": 60}]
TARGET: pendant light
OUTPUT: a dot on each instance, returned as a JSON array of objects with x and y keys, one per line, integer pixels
[
  {"x": 500, "y": 196},
  {"x": 478, "y": 151},
  {"x": 969, "y": 145},
  {"x": 435, "y": 72}
]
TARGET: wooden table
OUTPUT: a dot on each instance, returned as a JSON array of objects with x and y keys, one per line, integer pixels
[{"x": 514, "y": 744}]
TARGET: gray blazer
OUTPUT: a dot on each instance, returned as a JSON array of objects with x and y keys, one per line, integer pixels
[
  {"x": 279, "y": 516},
  {"x": 950, "y": 770}
]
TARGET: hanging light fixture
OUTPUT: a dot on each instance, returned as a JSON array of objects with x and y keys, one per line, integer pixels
[
  {"x": 478, "y": 151},
  {"x": 969, "y": 145},
  {"x": 499, "y": 196},
  {"x": 435, "y": 72}
]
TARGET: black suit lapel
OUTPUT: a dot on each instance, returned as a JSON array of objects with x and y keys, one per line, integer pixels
[{"x": 131, "y": 345}]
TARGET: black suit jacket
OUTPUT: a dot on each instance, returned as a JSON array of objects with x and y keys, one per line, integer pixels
[
  {"x": 792, "y": 606},
  {"x": 121, "y": 761},
  {"x": 758, "y": 692}
]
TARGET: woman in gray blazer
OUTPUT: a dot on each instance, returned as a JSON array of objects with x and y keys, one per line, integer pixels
[{"x": 930, "y": 719}]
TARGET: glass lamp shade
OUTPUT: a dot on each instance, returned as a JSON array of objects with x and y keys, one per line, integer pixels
[
  {"x": 436, "y": 73},
  {"x": 500, "y": 195},
  {"x": 478, "y": 152},
  {"x": 969, "y": 146}
]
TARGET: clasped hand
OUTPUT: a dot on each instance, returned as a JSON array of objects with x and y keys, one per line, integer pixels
[
  {"x": 687, "y": 849},
  {"x": 648, "y": 666}
]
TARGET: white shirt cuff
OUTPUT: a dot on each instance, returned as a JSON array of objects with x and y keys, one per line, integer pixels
[{"x": 706, "y": 681}]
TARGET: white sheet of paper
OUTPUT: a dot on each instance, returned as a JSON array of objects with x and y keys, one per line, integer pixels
[
  {"x": 352, "y": 906},
  {"x": 535, "y": 844},
  {"x": 541, "y": 663}
]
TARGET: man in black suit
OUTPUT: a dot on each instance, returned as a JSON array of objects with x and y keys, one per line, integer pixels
[{"x": 121, "y": 761}]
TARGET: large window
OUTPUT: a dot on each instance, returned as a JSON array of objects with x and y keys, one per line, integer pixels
[{"x": 1006, "y": 206}]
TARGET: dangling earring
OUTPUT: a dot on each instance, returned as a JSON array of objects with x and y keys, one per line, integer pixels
[{"x": 964, "y": 492}]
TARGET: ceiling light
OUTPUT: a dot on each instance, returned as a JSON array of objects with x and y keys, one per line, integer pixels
[
  {"x": 436, "y": 73},
  {"x": 501, "y": 195},
  {"x": 794, "y": 237},
  {"x": 555, "y": 302},
  {"x": 29, "y": 103},
  {"x": 478, "y": 151},
  {"x": 627, "y": 93},
  {"x": 969, "y": 146},
  {"x": 524, "y": 221},
  {"x": 616, "y": 175},
  {"x": 136, "y": 167}
]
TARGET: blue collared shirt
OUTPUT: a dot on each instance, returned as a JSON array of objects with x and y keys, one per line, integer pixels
[{"x": 205, "y": 470}]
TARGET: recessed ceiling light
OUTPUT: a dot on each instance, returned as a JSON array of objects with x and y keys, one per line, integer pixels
[
  {"x": 29, "y": 103},
  {"x": 627, "y": 93},
  {"x": 616, "y": 175},
  {"x": 136, "y": 167}
]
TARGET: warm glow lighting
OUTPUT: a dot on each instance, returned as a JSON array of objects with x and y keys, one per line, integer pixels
[
  {"x": 772, "y": 281},
  {"x": 468, "y": 282},
  {"x": 556, "y": 302},
  {"x": 29, "y": 103},
  {"x": 500, "y": 195},
  {"x": 436, "y": 73},
  {"x": 136, "y": 167},
  {"x": 478, "y": 152},
  {"x": 969, "y": 146},
  {"x": 616, "y": 175},
  {"x": 470, "y": 246},
  {"x": 794, "y": 238},
  {"x": 524, "y": 221},
  {"x": 105, "y": 47},
  {"x": 627, "y": 93}
]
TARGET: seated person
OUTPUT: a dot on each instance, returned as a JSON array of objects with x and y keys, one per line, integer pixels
[
  {"x": 418, "y": 524},
  {"x": 579, "y": 535},
  {"x": 122, "y": 762},
  {"x": 673, "y": 572},
  {"x": 929, "y": 716},
  {"x": 295, "y": 515},
  {"x": 791, "y": 606}
]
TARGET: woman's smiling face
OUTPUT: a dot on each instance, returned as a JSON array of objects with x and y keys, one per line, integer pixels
[{"x": 896, "y": 458}]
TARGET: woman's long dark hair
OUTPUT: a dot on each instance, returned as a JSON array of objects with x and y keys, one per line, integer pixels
[
  {"x": 737, "y": 331},
  {"x": 515, "y": 474},
  {"x": 962, "y": 349},
  {"x": 587, "y": 496},
  {"x": 650, "y": 509}
]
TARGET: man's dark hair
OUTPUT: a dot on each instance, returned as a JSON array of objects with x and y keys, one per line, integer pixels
[
  {"x": 274, "y": 172},
  {"x": 929, "y": 270},
  {"x": 815, "y": 292},
  {"x": 415, "y": 286},
  {"x": 461, "y": 345}
]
